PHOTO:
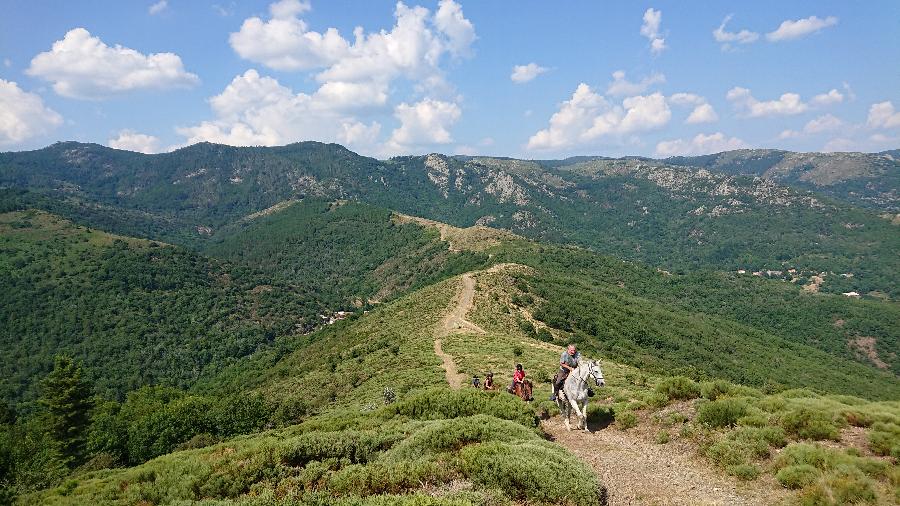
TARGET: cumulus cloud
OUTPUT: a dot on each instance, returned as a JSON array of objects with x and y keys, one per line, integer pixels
[
  {"x": 788, "y": 134},
  {"x": 744, "y": 102},
  {"x": 621, "y": 86},
  {"x": 830, "y": 98},
  {"x": 703, "y": 112},
  {"x": 588, "y": 117},
  {"x": 258, "y": 110},
  {"x": 525, "y": 73},
  {"x": 23, "y": 115},
  {"x": 158, "y": 7},
  {"x": 650, "y": 29},
  {"x": 82, "y": 66},
  {"x": 423, "y": 124},
  {"x": 413, "y": 48},
  {"x": 794, "y": 29},
  {"x": 701, "y": 144},
  {"x": 826, "y": 123},
  {"x": 132, "y": 141},
  {"x": 883, "y": 115},
  {"x": 726, "y": 38}
]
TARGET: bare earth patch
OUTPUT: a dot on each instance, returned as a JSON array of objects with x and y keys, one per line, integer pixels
[{"x": 866, "y": 345}]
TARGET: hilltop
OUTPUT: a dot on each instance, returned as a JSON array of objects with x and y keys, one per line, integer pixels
[{"x": 662, "y": 213}]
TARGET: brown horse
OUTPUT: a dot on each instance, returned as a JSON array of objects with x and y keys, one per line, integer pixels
[{"x": 522, "y": 390}]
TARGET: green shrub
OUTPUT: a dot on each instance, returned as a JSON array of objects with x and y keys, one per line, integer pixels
[
  {"x": 809, "y": 423},
  {"x": 678, "y": 387},
  {"x": 600, "y": 415},
  {"x": 530, "y": 472},
  {"x": 440, "y": 403},
  {"x": 797, "y": 476},
  {"x": 662, "y": 437},
  {"x": 746, "y": 472},
  {"x": 846, "y": 485},
  {"x": 451, "y": 435},
  {"x": 722, "y": 412},
  {"x": 626, "y": 420},
  {"x": 545, "y": 335},
  {"x": 712, "y": 390},
  {"x": 884, "y": 439}
]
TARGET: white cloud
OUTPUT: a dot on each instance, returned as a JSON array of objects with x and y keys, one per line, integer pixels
[
  {"x": 621, "y": 86},
  {"x": 460, "y": 32},
  {"x": 413, "y": 48},
  {"x": 726, "y": 38},
  {"x": 839, "y": 144},
  {"x": 745, "y": 103},
  {"x": 791, "y": 29},
  {"x": 650, "y": 29},
  {"x": 82, "y": 66},
  {"x": 703, "y": 113},
  {"x": 23, "y": 115},
  {"x": 826, "y": 123},
  {"x": 788, "y": 134},
  {"x": 158, "y": 7},
  {"x": 525, "y": 73},
  {"x": 7, "y": 62},
  {"x": 701, "y": 144},
  {"x": 423, "y": 124},
  {"x": 133, "y": 141},
  {"x": 832, "y": 97},
  {"x": 258, "y": 110},
  {"x": 588, "y": 117},
  {"x": 882, "y": 115}
]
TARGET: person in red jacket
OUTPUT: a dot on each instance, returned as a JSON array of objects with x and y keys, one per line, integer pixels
[{"x": 518, "y": 377}]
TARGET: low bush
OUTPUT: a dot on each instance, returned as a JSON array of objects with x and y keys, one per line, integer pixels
[
  {"x": 662, "y": 437},
  {"x": 600, "y": 415},
  {"x": 884, "y": 439},
  {"x": 626, "y": 420},
  {"x": 810, "y": 423},
  {"x": 746, "y": 472},
  {"x": 530, "y": 472},
  {"x": 722, "y": 412},
  {"x": 678, "y": 388},
  {"x": 797, "y": 476},
  {"x": 712, "y": 390},
  {"x": 442, "y": 403},
  {"x": 846, "y": 485}
]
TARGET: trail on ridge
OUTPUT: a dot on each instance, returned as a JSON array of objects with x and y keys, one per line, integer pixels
[{"x": 453, "y": 323}]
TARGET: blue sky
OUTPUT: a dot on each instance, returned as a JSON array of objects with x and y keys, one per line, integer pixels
[{"x": 389, "y": 78}]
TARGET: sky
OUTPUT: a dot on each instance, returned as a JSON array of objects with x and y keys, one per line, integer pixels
[{"x": 524, "y": 79}]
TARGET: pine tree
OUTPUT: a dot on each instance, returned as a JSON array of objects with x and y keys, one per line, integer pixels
[{"x": 67, "y": 397}]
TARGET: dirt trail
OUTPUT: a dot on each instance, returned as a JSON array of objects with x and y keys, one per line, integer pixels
[
  {"x": 639, "y": 471},
  {"x": 453, "y": 323}
]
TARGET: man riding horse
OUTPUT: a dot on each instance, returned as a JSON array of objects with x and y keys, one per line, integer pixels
[{"x": 568, "y": 361}]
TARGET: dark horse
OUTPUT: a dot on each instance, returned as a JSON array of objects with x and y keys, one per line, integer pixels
[{"x": 522, "y": 390}]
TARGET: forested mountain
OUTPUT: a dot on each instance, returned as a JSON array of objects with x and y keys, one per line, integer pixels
[
  {"x": 140, "y": 312},
  {"x": 869, "y": 180},
  {"x": 675, "y": 217}
]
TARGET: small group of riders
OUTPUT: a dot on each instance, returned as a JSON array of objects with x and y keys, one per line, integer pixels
[{"x": 568, "y": 361}]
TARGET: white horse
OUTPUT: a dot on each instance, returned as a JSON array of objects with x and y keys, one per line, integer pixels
[{"x": 574, "y": 393}]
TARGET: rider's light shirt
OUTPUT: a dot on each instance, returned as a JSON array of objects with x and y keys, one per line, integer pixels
[{"x": 571, "y": 360}]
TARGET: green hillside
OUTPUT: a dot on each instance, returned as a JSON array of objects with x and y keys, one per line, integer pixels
[
  {"x": 656, "y": 212},
  {"x": 141, "y": 313}
]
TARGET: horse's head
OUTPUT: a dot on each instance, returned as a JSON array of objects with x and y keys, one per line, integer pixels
[{"x": 596, "y": 373}]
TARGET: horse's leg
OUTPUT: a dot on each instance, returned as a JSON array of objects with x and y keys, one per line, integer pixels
[{"x": 582, "y": 416}]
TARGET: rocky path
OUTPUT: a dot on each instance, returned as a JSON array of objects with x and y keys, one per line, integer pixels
[
  {"x": 638, "y": 471},
  {"x": 455, "y": 322}
]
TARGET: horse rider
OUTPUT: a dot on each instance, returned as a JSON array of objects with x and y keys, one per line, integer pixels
[
  {"x": 475, "y": 382},
  {"x": 518, "y": 377},
  {"x": 568, "y": 361},
  {"x": 489, "y": 381}
]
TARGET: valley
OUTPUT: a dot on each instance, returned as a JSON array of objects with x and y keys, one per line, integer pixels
[{"x": 220, "y": 374}]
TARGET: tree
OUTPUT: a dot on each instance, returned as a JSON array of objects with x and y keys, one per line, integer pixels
[{"x": 67, "y": 397}]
